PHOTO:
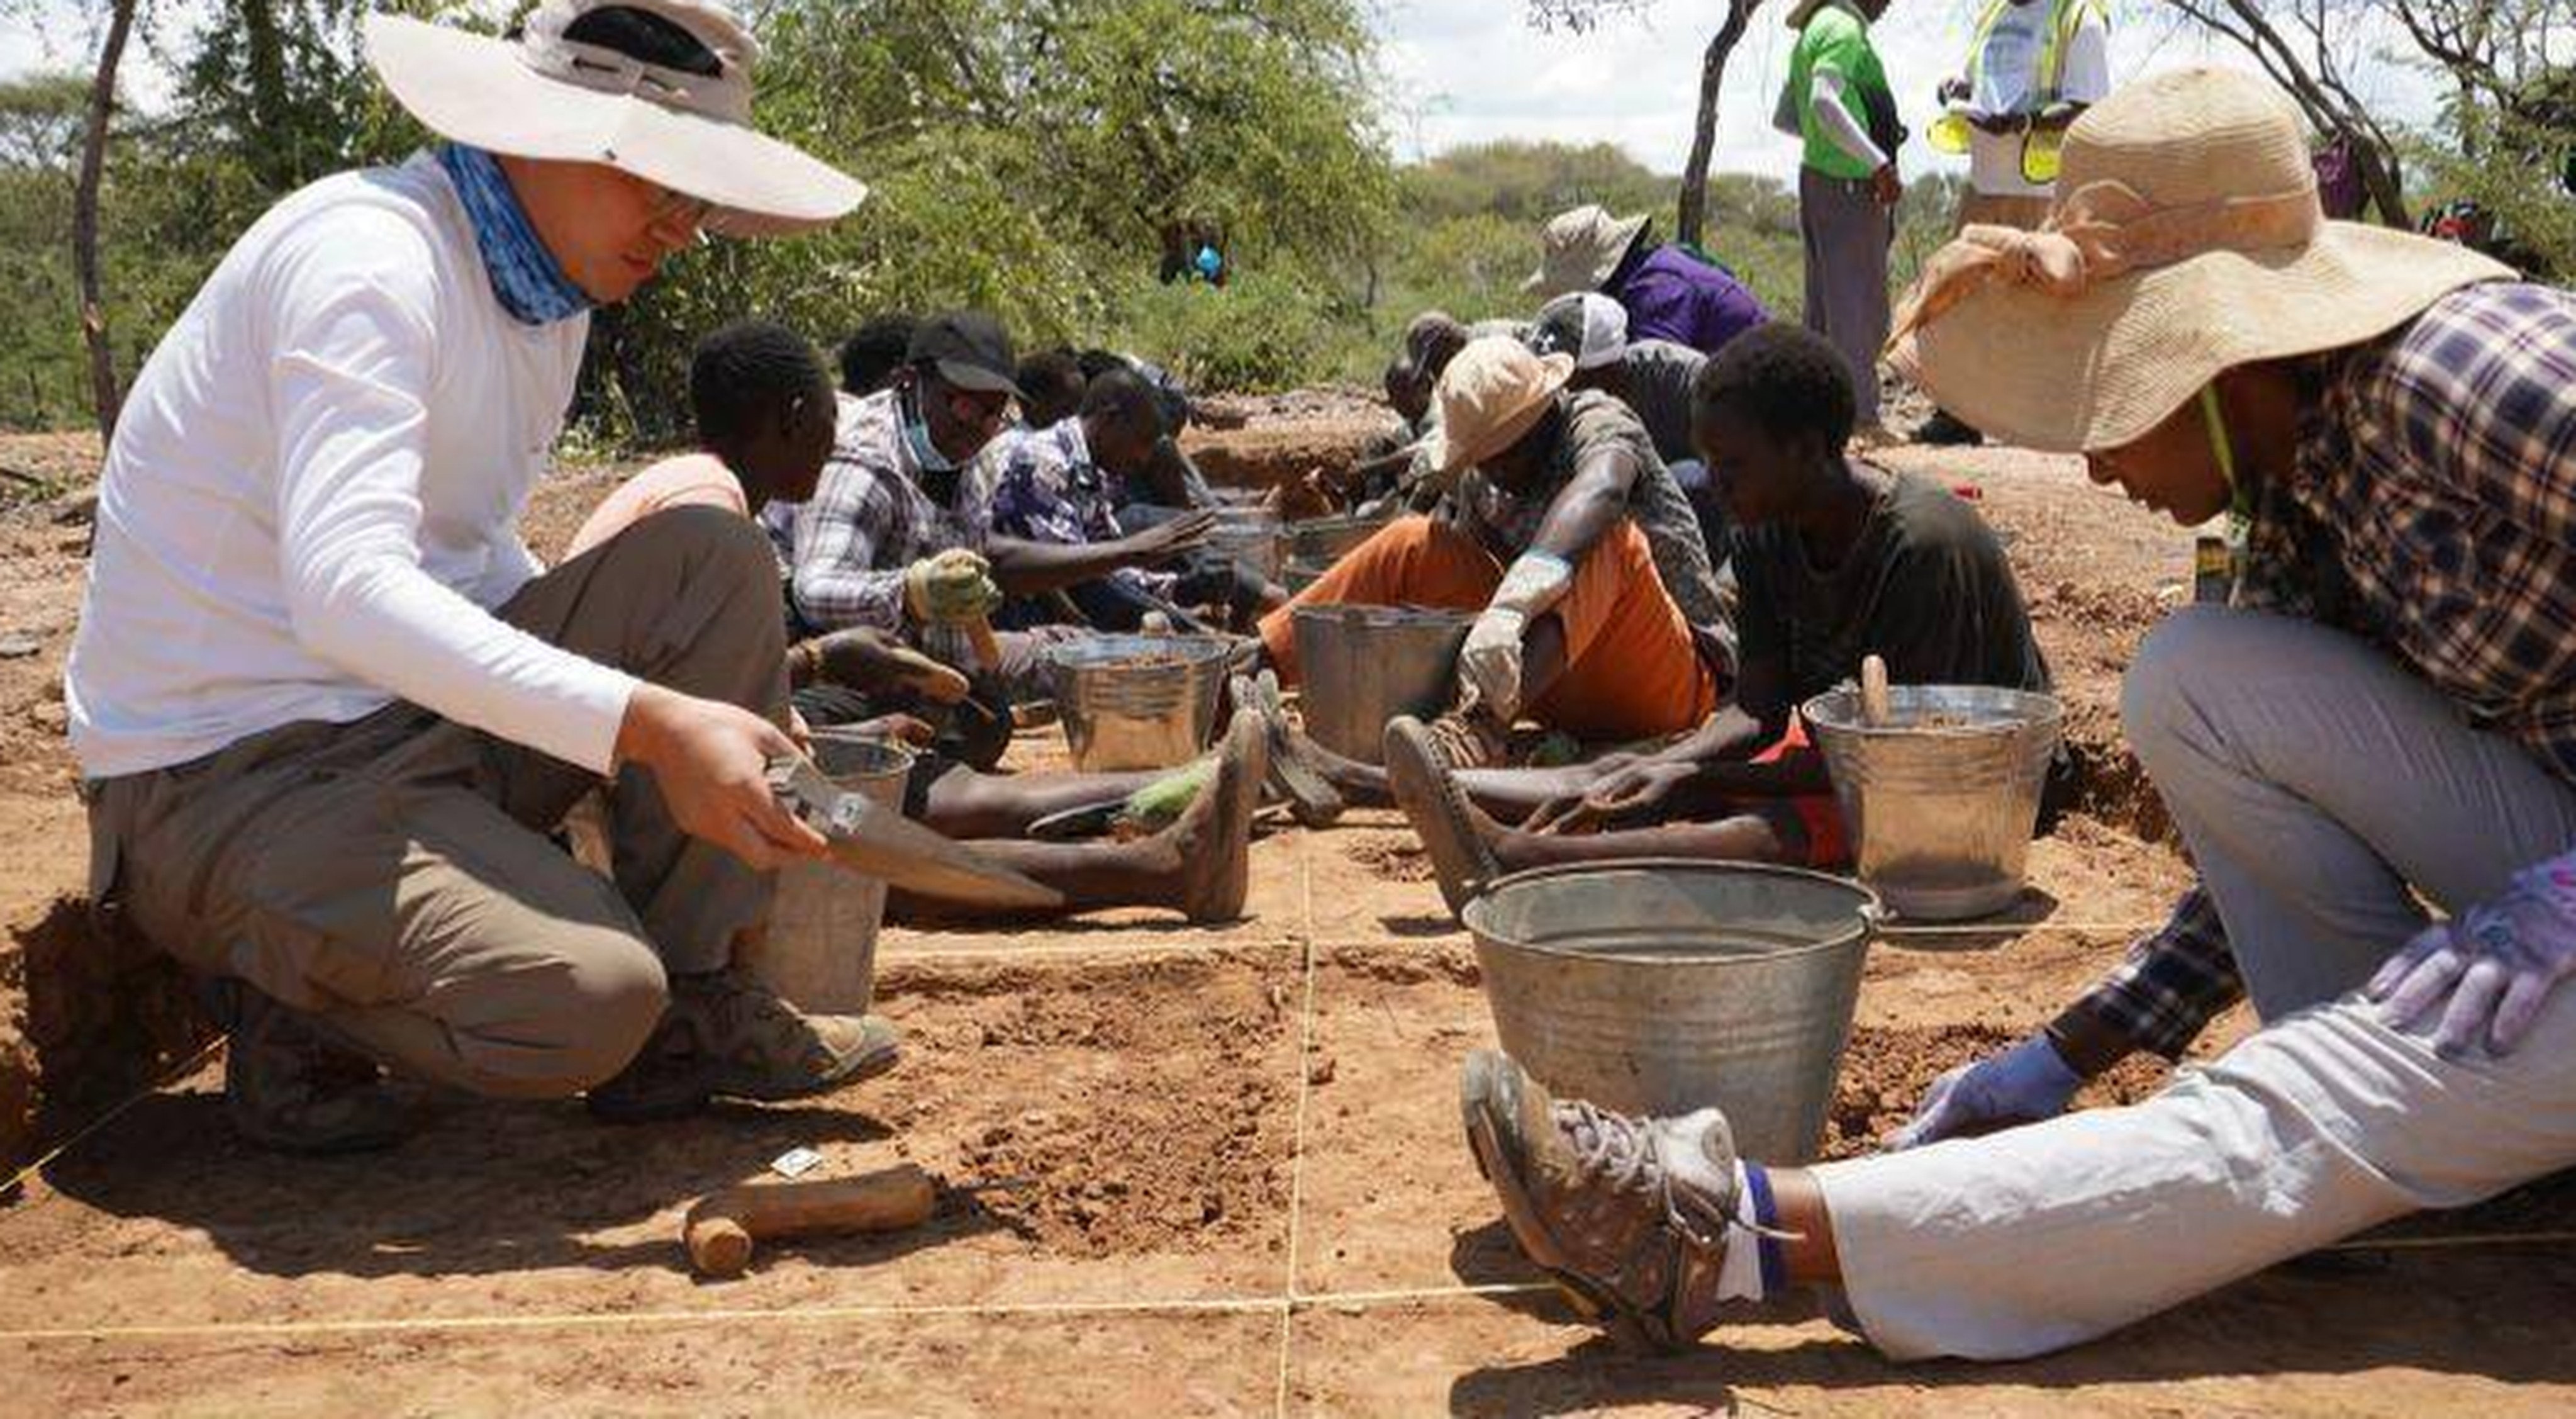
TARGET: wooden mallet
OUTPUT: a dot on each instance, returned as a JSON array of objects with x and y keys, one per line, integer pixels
[{"x": 722, "y": 1227}]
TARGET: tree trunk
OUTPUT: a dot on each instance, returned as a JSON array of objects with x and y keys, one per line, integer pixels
[
  {"x": 104, "y": 394},
  {"x": 1691, "y": 222}
]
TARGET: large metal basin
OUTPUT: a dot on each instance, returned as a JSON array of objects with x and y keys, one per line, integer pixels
[
  {"x": 1252, "y": 536},
  {"x": 1324, "y": 540},
  {"x": 1364, "y": 665},
  {"x": 1660, "y": 987},
  {"x": 1138, "y": 702},
  {"x": 1941, "y": 801}
]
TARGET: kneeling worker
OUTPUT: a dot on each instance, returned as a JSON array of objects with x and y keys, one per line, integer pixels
[{"x": 327, "y": 703}]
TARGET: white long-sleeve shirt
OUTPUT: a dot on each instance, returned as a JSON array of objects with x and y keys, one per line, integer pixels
[{"x": 311, "y": 505}]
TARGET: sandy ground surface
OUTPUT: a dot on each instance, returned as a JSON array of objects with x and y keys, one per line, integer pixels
[{"x": 1234, "y": 1182}]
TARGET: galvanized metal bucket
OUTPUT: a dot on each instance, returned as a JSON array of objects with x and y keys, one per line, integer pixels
[
  {"x": 1138, "y": 702},
  {"x": 1326, "y": 540},
  {"x": 1364, "y": 665},
  {"x": 1252, "y": 536},
  {"x": 1942, "y": 799},
  {"x": 1660, "y": 987},
  {"x": 821, "y": 947}
]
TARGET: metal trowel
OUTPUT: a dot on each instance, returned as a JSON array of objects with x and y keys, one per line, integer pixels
[{"x": 874, "y": 840}]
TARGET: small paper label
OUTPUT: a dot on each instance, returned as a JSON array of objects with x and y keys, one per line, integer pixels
[{"x": 795, "y": 1162}]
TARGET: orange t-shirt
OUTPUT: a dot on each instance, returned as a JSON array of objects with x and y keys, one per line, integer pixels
[{"x": 690, "y": 480}]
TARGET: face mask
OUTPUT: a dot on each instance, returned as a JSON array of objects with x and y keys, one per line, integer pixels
[{"x": 916, "y": 435}]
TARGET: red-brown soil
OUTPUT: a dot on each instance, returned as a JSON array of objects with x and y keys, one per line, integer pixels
[{"x": 1188, "y": 1171}]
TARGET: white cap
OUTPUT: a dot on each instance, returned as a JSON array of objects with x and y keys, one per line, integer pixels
[{"x": 1591, "y": 327}]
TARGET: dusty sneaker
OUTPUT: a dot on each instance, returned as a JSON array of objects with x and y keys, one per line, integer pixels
[
  {"x": 1212, "y": 842},
  {"x": 725, "y": 1035},
  {"x": 288, "y": 1086},
  {"x": 1417, "y": 774},
  {"x": 1628, "y": 1215}
]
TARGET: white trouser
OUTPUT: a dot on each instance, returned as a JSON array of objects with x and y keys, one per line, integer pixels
[{"x": 2314, "y": 780}]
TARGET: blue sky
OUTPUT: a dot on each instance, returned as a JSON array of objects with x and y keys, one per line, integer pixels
[{"x": 1463, "y": 71}]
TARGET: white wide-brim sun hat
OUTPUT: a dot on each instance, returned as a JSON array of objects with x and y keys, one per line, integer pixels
[
  {"x": 549, "y": 97},
  {"x": 2186, "y": 239}
]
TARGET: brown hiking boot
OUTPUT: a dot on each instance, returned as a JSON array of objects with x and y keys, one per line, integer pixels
[
  {"x": 1628, "y": 1215},
  {"x": 1293, "y": 774},
  {"x": 1214, "y": 837},
  {"x": 726, "y": 1035},
  {"x": 1468, "y": 738},
  {"x": 1417, "y": 774},
  {"x": 289, "y": 1086}
]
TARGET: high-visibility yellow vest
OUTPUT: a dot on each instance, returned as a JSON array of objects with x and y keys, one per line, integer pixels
[{"x": 2039, "y": 160}]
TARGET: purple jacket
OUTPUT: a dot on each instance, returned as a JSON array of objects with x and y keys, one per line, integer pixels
[{"x": 1672, "y": 295}]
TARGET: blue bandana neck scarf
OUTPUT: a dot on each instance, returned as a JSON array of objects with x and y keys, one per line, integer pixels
[{"x": 526, "y": 278}]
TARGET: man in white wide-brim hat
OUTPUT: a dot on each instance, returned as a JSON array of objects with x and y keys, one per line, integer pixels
[
  {"x": 2382, "y": 718},
  {"x": 328, "y": 706}
]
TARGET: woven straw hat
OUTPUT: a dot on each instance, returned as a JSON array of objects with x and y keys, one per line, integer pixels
[
  {"x": 2186, "y": 240},
  {"x": 1579, "y": 250},
  {"x": 1491, "y": 395},
  {"x": 550, "y": 95}
]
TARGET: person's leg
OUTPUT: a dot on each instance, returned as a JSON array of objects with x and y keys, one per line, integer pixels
[
  {"x": 1852, "y": 236},
  {"x": 2045, "y": 1236},
  {"x": 687, "y": 599},
  {"x": 963, "y": 803},
  {"x": 1200, "y": 866},
  {"x": 354, "y": 875},
  {"x": 1615, "y": 660},
  {"x": 2253, "y": 726},
  {"x": 1812, "y": 196}
]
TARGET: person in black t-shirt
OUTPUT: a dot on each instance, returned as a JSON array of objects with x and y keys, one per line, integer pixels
[{"x": 1836, "y": 560}]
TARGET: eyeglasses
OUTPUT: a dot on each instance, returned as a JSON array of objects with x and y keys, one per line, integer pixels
[{"x": 677, "y": 214}]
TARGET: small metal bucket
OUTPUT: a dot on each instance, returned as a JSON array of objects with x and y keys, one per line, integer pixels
[
  {"x": 1251, "y": 536},
  {"x": 821, "y": 947},
  {"x": 1138, "y": 702},
  {"x": 1325, "y": 540},
  {"x": 1660, "y": 987},
  {"x": 1941, "y": 801},
  {"x": 1364, "y": 665}
]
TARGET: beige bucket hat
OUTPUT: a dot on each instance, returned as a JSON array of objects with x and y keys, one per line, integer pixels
[
  {"x": 1578, "y": 250},
  {"x": 1492, "y": 394},
  {"x": 2186, "y": 240},
  {"x": 548, "y": 94}
]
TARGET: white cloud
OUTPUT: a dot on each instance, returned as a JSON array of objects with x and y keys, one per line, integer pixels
[{"x": 1470, "y": 71}]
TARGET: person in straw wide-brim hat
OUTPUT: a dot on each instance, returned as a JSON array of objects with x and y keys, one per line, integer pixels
[
  {"x": 2383, "y": 719},
  {"x": 330, "y": 707},
  {"x": 1567, "y": 536}
]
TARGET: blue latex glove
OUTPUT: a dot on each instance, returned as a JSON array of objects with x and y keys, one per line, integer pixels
[
  {"x": 2024, "y": 1084},
  {"x": 2491, "y": 969}
]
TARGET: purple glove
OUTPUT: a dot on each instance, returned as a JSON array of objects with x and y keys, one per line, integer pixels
[
  {"x": 2494, "y": 966},
  {"x": 2024, "y": 1084}
]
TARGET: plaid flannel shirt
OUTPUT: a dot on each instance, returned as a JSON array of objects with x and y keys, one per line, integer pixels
[
  {"x": 1046, "y": 488},
  {"x": 2432, "y": 509},
  {"x": 870, "y": 520}
]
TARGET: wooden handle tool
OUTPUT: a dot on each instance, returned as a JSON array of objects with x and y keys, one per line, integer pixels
[
  {"x": 721, "y": 1229},
  {"x": 1875, "y": 708}
]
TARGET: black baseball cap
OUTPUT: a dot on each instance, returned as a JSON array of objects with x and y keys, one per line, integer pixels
[{"x": 969, "y": 349}]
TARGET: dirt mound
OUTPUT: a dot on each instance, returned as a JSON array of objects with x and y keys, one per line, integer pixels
[
  {"x": 1165, "y": 1129},
  {"x": 1390, "y": 857}
]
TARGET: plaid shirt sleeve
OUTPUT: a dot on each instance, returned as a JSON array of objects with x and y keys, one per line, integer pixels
[
  {"x": 2477, "y": 391},
  {"x": 852, "y": 523},
  {"x": 2175, "y": 981}
]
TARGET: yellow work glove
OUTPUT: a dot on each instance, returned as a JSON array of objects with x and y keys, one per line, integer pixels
[{"x": 954, "y": 588}]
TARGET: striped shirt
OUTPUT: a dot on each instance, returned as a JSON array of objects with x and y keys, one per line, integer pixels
[{"x": 2432, "y": 511}]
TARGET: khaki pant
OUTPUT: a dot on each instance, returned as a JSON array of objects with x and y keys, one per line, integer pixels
[{"x": 393, "y": 876}]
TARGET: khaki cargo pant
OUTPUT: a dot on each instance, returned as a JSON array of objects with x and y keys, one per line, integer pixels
[{"x": 393, "y": 877}]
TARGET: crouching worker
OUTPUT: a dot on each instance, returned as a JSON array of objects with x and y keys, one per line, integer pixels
[
  {"x": 1836, "y": 560},
  {"x": 1568, "y": 537},
  {"x": 2381, "y": 719},
  {"x": 329, "y": 706},
  {"x": 765, "y": 416}
]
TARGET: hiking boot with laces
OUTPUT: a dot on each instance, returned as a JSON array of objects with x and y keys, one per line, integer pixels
[
  {"x": 1628, "y": 1215},
  {"x": 289, "y": 1086},
  {"x": 1468, "y": 738},
  {"x": 725, "y": 1035}
]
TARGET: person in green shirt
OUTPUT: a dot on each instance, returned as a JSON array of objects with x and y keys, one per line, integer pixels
[{"x": 1837, "y": 102}]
